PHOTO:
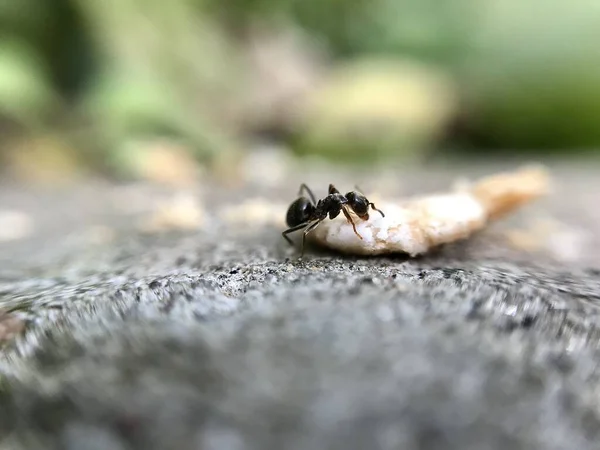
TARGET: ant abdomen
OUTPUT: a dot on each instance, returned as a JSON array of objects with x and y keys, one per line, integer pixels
[{"x": 299, "y": 212}]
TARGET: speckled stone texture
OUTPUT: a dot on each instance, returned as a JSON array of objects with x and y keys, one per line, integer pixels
[{"x": 220, "y": 339}]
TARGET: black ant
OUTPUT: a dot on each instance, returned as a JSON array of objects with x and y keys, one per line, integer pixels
[{"x": 307, "y": 213}]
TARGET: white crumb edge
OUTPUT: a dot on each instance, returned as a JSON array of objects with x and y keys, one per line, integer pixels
[{"x": 413, "y": 227}]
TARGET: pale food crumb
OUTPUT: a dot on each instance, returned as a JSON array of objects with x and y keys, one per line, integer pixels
[{"x": 415, "y": 226}]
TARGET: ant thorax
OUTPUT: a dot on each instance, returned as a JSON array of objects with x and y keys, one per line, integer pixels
[{"x": 331, "y": 205}]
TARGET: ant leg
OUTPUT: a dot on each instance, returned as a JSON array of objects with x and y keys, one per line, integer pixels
[
  {"x": 379, "y": 211},
  {"x": 291, "y": 230},
  {"x": 311, "y": 227},
  {"x": 345, "y": 211},
  {"x": 333, "y": 190},
  {"x": 304, "y": 187}
]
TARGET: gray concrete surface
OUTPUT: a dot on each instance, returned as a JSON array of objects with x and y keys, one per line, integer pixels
[{"x": 221, "y": 339}]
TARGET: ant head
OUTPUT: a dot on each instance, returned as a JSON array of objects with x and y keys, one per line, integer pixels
[
  {"x": 299, "y": 212},
  {"x": 358, "y": 203}
]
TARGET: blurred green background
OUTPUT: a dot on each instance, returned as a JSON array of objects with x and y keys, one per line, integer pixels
[{"x": 147, "y": 88}]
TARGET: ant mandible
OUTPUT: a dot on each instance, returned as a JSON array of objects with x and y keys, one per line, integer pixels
[{"x": 307, "y": 213}]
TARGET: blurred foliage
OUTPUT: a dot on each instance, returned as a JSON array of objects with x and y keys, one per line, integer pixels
[
  {"x": 532, "y": 75},
  {"x": 374, "y": 109},
  {"x": 426, "y": 28},
  {"x": 26, "y": 94},
  {"x": 112, "y": 78},
  {"x": 163, "y": 74}
]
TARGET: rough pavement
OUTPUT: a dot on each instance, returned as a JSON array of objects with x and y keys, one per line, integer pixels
[{"x": 220, "y": 339}]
